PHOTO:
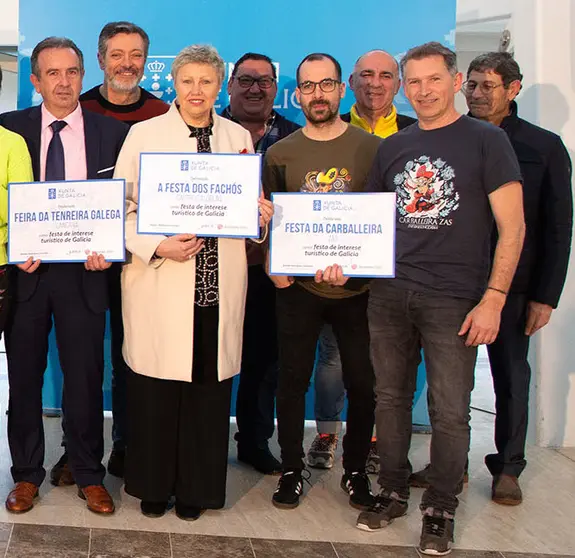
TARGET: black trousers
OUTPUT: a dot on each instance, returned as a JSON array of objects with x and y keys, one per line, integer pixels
[
  {"x": 119, "y": 367},
  {"x": 301, "y": 316},
  {"x": 80, "y": 340},
  {"x": 511, "y": 377},
  {"x": 179, "y": 431},
  {"x": 255, "y": 403}
]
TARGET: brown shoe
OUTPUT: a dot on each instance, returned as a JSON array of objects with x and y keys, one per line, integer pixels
[
  {"x": 21, "y": 497},
  {"x": 60, "y": 475},
  {"x": 505, "y": 490},
  {"x": 97, "y": 498}
]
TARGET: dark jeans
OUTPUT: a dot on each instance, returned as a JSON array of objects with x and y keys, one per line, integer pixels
[
  {"x": 301, "y": 316},
  {"x": 511, "y": 376},
  {"x": 255, "y": 403},
  {"x": 401, "y": 323},
  {"x": 328, "y": 383}
]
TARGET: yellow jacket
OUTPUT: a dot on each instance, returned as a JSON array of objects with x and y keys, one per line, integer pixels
[{"x": 15, "y": 166}]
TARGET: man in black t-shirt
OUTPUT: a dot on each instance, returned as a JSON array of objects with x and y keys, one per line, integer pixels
[{"x": 452, "y": 175}]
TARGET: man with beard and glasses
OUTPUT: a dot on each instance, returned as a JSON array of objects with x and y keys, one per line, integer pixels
[
  {"x": 252, "y": 88},
  {"x": 122, "y": 51},
  {"x": 493, "y": 83},
  {"x": 375, "y": 83},
  {"x": 327, "y": 155}
]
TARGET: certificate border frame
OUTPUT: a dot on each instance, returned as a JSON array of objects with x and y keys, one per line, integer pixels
[
  {"x": 359, "y": 275},
  {"x": 93, "y": 180},
  {"x": 187, "y": 153}
]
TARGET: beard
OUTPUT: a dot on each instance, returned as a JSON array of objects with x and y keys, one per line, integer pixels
[
  {"x": 123, "y": 84},
  {"x": 329, "y": 113}
]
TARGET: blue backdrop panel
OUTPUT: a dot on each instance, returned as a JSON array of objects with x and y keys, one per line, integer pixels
[{"x": 283, "y": 31}]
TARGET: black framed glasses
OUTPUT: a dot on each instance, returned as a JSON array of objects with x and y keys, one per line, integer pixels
[
  {"x": 327, "y": 85},
  {"x": 486, "y": 87},
  {"x": 264, "y": 82}
]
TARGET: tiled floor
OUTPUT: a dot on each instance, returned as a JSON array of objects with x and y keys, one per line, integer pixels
[{"x": 323, "y": 525}]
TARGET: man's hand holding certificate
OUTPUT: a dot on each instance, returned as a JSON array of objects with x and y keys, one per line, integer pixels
[{"x": 354, "y": 232}]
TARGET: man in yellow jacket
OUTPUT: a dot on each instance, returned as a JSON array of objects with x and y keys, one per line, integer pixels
[{"x": 15, "y": 166}]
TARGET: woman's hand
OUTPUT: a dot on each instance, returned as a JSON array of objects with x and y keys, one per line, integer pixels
[
  {"x": 266, "y": 208},
  {"x": 180, "y": 247},
  {"x": 96, "y": 262}
]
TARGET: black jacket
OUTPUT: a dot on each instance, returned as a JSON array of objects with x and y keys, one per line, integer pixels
[
  {"x": 104, "y": 137},
  {"x": 403, "y": 121},
  {"x": 548, "y": 205}
]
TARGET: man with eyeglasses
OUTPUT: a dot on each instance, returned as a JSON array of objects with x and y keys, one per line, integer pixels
[
  {"x": 252, "y": 88},
  {"x": 375, "y": 83},
  {"x": 493, "y": 83},
  {"x": 326, "y": 156}
]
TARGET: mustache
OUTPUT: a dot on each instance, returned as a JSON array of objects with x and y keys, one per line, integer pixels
[
  {"x": 318, "y": 102},
  {"x": 123, "y": 69}
]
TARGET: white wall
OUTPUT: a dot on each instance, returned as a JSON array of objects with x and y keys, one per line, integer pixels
[
  {"x": 543, "y": 32},
  {"x": 8, "y": 22}
]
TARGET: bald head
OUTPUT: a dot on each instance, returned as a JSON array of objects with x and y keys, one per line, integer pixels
[
  {"x": 376, "y": 56},
  {"x": 375, "y": 82}
]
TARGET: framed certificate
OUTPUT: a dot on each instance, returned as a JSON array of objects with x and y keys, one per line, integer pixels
[
  {"x": 208, "y": 194},
  {"x": 66, "y": 221},
  {"x": 313, "y": 231}
]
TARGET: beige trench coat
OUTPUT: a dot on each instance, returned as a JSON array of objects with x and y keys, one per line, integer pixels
[{"x": 158, "y": 295}]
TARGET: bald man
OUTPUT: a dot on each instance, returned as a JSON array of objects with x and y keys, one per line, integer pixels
[{"x": 375, "y": 83}]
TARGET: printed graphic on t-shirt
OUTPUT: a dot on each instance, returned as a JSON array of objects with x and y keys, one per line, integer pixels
[
  {"x": 334, "y": 180},
  {"x": 426, "y": 193}
]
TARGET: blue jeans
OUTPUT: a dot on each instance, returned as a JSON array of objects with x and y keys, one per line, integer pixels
[
  {"x": 328, "y": 384},
  {"x": 401, "y": 323}
]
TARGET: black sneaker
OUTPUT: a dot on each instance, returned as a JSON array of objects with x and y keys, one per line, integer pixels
[
  {"x": 382, "y": 513},
  {"x": 436, "y": 535},
  {"x": 261, "y": 459},
  {"x": 116, "y": 463},
  {"x": 153, "y": 509},
  {"x": 290, "y": 488},
  {"x": 357, "y": 485}
]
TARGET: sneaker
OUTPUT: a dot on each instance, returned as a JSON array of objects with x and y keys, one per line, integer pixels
[
  {"x": 382, "y": 513},
  {"x": 358, "y": 487},
  {"x": 116, "y": 463},
  {"x": 261, "y": 459},
  {"x": 419, "y": 479},
  {"x": 436, "y": 535},
  {"x": 506, "y": 491},
  {"x": 372, "y": 463},
  {"x": 321, "y": 454},
  {"x": 289, "y": 489}
]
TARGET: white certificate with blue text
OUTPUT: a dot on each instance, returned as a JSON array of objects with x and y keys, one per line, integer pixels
[
  {"x": 66, "y": 221},
  {"x": 208, "y": 194},
  {"x": 313, "y": 231}
]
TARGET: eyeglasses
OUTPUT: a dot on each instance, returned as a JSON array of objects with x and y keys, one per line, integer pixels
[
  {"x": 326, "y": 85},
  {"x": 486, "y": 87},
  {"x": 263, "y": 82}
]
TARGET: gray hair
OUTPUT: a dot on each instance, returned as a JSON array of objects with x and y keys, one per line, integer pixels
[
  {"x": 431, "y": 49},
  {"x": 115, "y": 28},
  {"x": 199, "y": 54},
  {"x": 54, "y": 42},
  {"x": 501, "y": 63}
]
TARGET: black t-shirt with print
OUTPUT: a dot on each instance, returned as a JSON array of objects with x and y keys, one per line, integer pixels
[{"x": 442, "y": 179}]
